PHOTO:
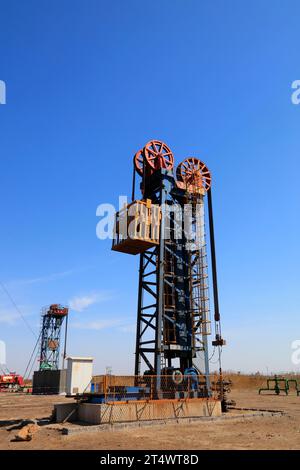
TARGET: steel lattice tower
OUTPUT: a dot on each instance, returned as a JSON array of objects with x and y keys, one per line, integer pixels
[
  {"x": 52, "y": 318},
  {"x": 173, "y": 313},
  {"x": 173, "y": 308}
]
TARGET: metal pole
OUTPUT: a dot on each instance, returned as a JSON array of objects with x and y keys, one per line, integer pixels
[
  {"x": 213, "y": 256},
  {"x": 133, "y": 184},
  {"x": 65, "y": 345},
  {"x": 138, "y": 328},
  {"x": 215, "y": 289},
  {"x": 160, "y": 295}
]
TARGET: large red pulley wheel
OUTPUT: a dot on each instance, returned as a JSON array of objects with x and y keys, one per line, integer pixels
[
  {"x": 158, "y": 155},
  {"x": 194, "y": 173},
  {"x": 155, "y": 155}
]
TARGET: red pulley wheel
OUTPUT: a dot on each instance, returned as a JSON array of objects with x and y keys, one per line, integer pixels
[
  {"x": 139, "y": 162},
  {"x": 195, "y": 173},
  {"x": 158, "y": 155}
]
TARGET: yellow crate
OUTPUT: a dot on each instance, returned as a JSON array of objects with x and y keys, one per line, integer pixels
[{"x": 136, "y": 227}]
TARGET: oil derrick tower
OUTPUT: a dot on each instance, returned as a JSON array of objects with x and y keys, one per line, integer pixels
[
  {"x": 52, "y": 319},
  {"x": 167, "y": 228}
]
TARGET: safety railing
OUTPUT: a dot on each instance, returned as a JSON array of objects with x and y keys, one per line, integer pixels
[{"x": 111, "y": 388}]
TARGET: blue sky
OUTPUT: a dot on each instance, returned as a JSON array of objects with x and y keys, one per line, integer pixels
[{"x": 88, "y": 84}]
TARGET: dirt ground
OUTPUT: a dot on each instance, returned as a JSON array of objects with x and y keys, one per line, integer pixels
[{"x": 274, "y": 432}]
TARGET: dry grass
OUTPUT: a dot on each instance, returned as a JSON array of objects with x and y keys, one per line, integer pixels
[
  {"x": 254, "y": 381},
  {"x": 239, "y": 381}
]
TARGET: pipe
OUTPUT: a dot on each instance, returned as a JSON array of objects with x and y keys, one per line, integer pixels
[
  {"x": 65, "y": 345},
  {"x": 213, "y": 256}
]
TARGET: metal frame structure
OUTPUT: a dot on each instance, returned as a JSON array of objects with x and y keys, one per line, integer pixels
[
  {"x": 173, "y": 305},
  {"x": 51, "y": 325},
  {"x": 173, "y": 313}
]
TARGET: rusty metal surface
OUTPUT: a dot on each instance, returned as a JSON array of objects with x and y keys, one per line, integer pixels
[
  {"x": 194, "y": 174},
  {"x": 115, "y": 388},
  {"x": 155, "y": 155},
  {"x": 136, "y": 227},
  {"x": 158, "y": 155},
  {"x": 138, "y": 161},
  {"x": 150, "y": 411}
]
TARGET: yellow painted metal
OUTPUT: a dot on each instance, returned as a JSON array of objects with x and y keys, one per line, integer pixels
[{"x": 137, "y": 227}]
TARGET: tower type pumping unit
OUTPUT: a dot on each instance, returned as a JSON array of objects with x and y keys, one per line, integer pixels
[
  {"x": 52, "y": 319},
  {"x": 166, "y": 227}
]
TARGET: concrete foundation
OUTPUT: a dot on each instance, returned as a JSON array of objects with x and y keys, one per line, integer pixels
[{"x": 119, "y": 412}]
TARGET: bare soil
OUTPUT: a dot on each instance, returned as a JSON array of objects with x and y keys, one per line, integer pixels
[{"x": 272, "y": 432}]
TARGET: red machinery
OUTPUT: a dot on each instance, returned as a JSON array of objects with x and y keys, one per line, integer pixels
[
  {"x": 192, "y": 173},
  {"x": 58, "y": 310},
  {"x": 11, "y": 382},
  {"x": 156, "y": 154}
]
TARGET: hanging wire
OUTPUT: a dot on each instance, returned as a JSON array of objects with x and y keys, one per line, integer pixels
[
  {"x": 29, "y": 362},
  {"x": 214, "y": 350},
  {"x": 218, "y": 360},
  {"x": 4, "y": 288},
  {"x": 29, "y": 374}
]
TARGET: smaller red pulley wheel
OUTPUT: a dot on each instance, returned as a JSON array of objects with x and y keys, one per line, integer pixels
[
  {"x": 194, "y": 173},
  {"x": 139, "y": 162}
]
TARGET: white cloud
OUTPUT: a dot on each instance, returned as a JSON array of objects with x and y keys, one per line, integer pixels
[
  {"x": 81, "y": 303},
  {"x": 9, "y": 317},
  {"x": 36, "y": 280},
  {"x": 128, "y": 328},
  {"x": 113, "y": 322},
  {"x": 97, "y": 325}
]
